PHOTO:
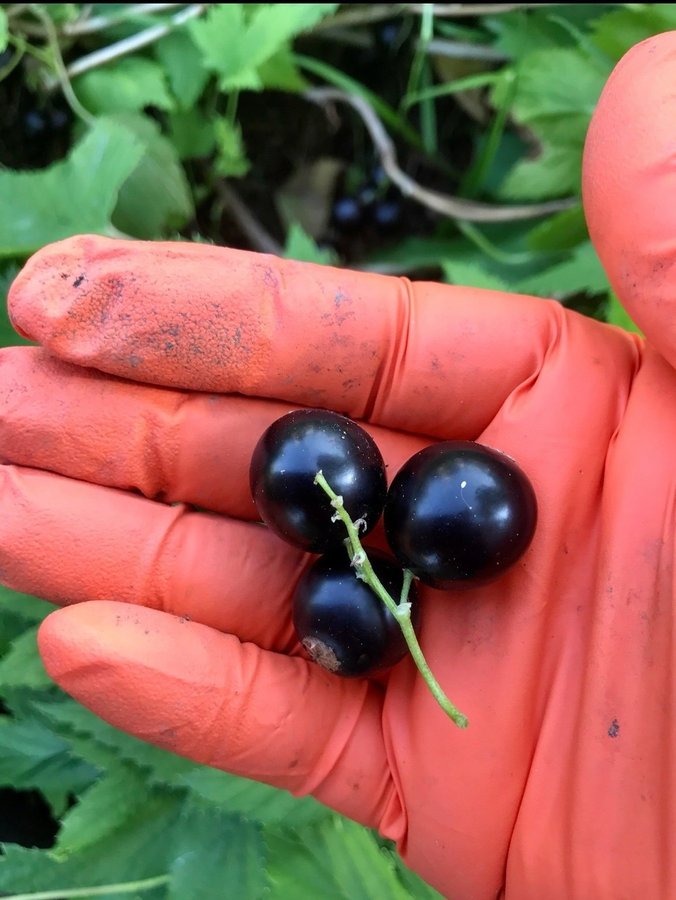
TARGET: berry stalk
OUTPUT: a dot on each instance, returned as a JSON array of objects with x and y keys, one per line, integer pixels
[{"x": 401, "y": 610}]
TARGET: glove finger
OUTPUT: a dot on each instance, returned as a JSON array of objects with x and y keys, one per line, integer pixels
[
  {"x": 170, "y": 445},
  {"x": 68, "y": 542},
  {"x": 629, "y": 187},
  {"x": 423, "y": 358},
  {"x": 206, "y": 696}
]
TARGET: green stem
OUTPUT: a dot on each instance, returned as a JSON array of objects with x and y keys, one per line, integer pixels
[
  {"x": 12, "y": 64},
  {"x": 59, "y": 66},
  {"x": 124, "y": 887},
  {"x": 401, "y": 611}
]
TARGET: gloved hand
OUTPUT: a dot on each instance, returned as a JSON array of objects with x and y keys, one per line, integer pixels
[{"x": 126, "y": 440}]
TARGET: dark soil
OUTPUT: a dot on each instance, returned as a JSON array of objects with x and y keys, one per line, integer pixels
[
  {"x": 26, "y": 819},
  {"x": 284, "y": 134},
  {"x": 34, "y": 129}
]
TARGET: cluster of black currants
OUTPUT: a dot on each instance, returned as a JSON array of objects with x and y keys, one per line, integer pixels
[
  {"x": 372, "y": 201},
  {"x": 456, "y": 514}
]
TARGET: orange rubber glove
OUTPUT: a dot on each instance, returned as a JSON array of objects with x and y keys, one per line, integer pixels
[{"x": 124, "y": 497}]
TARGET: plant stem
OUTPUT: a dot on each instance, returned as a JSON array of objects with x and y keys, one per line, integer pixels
[
  {"x": 448, "y": 205},
  {"x": 59, "y": 65},
  {"x": 401, "y": 611},
  {"x": 125, "y": 887},
  {"x": 135, "y": 42},
  {"x": 86, "y": 25}
]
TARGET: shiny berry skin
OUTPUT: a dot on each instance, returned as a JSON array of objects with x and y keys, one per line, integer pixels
[
  {"x": 347, "y": 213},
  {"x": 343, "y": 625},
  {"x": 283, "y": 467},
  {"x": 459, "y": 513}
]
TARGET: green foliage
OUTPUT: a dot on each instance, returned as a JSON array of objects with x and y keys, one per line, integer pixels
[
  {"x": 128, "y": 85},
  {"x": 20, "y": 666},
  {"x": 33, "y": 756},
  {"x": 75, "y": 723},
  {"x": 181, "y": 60},
  {"x": 236, "y": 41},
  {"x": 101, "y": 809},
  {"x": 216, "y": 848},
  {"x": 556, "y": 92},
  {"x": 155, "y": 198},
  {"x": 618, "y": 30},
  {"x": 334, "y": 860},
  {"x": 75, "y": 195},
  {"x": 138, "y": 848},
  {"x": 581, "y": 271},
  {"x": 192, "y": 134},
  {"x": 8, "y": 272},
  {"x": 251, "y": 799},
  {"x": 4, "y": 31},
  {"x": 300, "y": 246},
  {"x": 231, "y": 157},
  {"x": 469, "y": 274}
]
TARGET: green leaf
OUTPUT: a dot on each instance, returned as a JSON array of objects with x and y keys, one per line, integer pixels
[
  {"x": 581, "y": 272},
  {"x": 21, "y": 666},
  {"x": 333, "y": 859},
  {"x": 105, "y": 806},
  {"x": 60, "y": 13},
  {"x": 522, "y": 31},
  {"x": 554, "y": 173},
  {"x": 31, "y": 756},
  {"x": 30, "y": 609},
  {"x": 235, "y": 43},
  {"x": 155, "y": 200},
  {"x": 140, "y": 848},
  {"x": 556, "y": 169},
  {"x": 69, "y": 719},
  {"x": 8, "y": 336},
  {"x": 414, "y": 253},
  {"x": 182, "y": 61},
  {"x": 471, "y": 275},
  {"x": 191, "y": 133},
  {"x": 217, "y": 855},
  {"x": 128, "y": 85},
  {"x": 11, "y": 627},
  {"x": 222, "y": 36},
  {"x": 231, "y": 160},
  {"x": 272, "y": 25},
  {"x": 74, "y": 196},
  {"x": 300, "y": 246},
  {"x": 27, "y": 870},
  {"x": 555, "y": 95},
  {"x": 251, "y": 799},
  {"x": 559, "y": 232},
  {"x": 281, "y": 73},
  {"x": 618, "y": 30},
  {"x": 557, "y": 83},
  {"x": 4, "y": 30}
]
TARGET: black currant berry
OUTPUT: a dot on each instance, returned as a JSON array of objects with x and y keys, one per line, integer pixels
[
  {"x": 343, "y": 625},
  {"x": 459, "y": 513},
  {"x": 283, "y": 467}
]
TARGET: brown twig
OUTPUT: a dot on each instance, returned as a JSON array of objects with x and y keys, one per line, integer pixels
[
  {"x": 259, "y": 237},
  {"x": 378, "y": 12},
  {"x": 456, "y": 10},
  {"x": 445, "y": 204},
  {"x": 135, "y": 42}
]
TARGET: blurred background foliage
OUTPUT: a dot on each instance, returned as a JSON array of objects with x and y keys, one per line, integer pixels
[{"x": 435, "y": 141}]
